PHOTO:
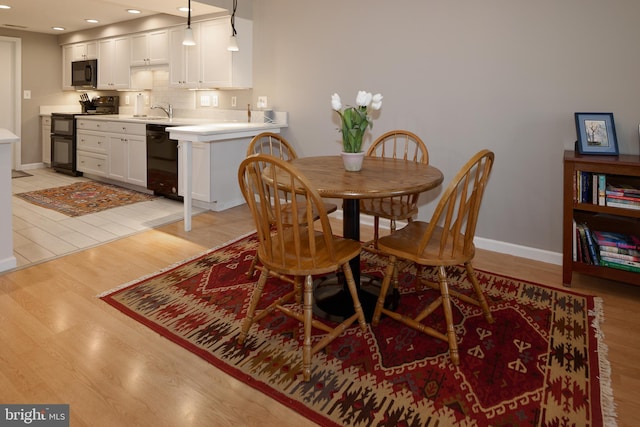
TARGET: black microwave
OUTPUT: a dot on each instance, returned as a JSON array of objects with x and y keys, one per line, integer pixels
[{"x": 84, "y": 74}]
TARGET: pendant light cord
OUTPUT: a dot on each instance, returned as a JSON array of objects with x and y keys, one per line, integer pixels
[
  {"x": 233, "y": 18},
  {"x": 189, "y": 15}
]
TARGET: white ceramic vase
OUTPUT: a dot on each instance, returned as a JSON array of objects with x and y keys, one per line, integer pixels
[{"x": 352, "y": 161}]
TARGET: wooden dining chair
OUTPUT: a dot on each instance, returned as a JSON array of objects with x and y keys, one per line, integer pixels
[
  {"x": 294, "y": 249},
  {"x": 445, "y": 241},
  {"x": 276, "y": 145},
  {"x": 396, "y": 144}
]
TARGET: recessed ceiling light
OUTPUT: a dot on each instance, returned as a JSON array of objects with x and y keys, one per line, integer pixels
[
  {"x": 4, "y": 6},
  {"x": 91, "y": 21},
  {"x": 133, "y": 11},
  {"x": 58, "y": 28}
]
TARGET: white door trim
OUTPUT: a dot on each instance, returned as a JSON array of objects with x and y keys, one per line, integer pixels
[{"x": 17, "y": 99}]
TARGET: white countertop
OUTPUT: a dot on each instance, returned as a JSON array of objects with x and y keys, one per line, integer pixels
[
  {"x": 160, "y": 120},
  {"x": 7, "y": 137},
  {"x": 222, "y": 130}
]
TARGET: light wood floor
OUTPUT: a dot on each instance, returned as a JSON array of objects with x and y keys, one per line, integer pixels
[{"x": 61, "y": 344}]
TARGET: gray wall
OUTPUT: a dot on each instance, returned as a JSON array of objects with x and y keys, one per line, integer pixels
[
  {"x": 464, "y": 75},
  {"x": 42, "y": 75}
]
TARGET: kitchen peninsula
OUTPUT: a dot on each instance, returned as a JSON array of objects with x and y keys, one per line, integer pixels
[
  {"x": 209, "y": 152},
  {"x": 220, "y": 149}
]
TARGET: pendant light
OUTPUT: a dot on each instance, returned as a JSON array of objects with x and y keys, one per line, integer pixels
[
  {"x": 188, "y": 32},
  {"x": 233, "y": 42}
]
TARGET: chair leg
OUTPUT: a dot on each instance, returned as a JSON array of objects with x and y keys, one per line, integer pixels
[
  {"x": 448, "y": 315},
  {"x": 252, "y": 267},
  {"x": 376, "y": 231},
  {"x": 351, "y": 284},
  {"x": 307, "y": 310},
  {"x": 384, "y": 287},
  {"x": 471, "y": 274},
  {"x": 253, "y": 303}
]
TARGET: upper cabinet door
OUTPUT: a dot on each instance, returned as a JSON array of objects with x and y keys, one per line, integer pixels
[
  {"x": 113, "y": 63},
  {"x": 150, "y": 48},
  {"x": 219, "y": 67},
  {"x": 184, "y": 61}
]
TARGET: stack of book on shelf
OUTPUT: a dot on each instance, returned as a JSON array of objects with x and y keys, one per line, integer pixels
[
  {"x": 622, "y": 195},
  {"x": 618, "y": 250}
]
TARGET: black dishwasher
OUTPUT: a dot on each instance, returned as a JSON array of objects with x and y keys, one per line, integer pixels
[{"x": 162, "y": 162}]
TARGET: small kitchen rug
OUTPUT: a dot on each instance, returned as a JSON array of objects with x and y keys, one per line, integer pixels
[
  {"x": 542, "y": 363},
  {"x": 83, "y": 198}
]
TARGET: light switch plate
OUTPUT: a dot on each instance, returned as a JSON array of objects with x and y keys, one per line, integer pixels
[
  {"x": 205, "y": 101},
  {"x": 215, "y": 101},
  {"x": 27, "y": 94},
  {"x": 234, "y": 101}
]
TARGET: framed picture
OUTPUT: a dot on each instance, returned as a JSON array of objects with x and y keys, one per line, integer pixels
[{"x": 596, "y": 134}]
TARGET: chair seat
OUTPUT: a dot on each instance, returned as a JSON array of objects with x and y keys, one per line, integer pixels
[
  {"x": 389, "y": 208},
  {"x": 404, "y": 243},
  {"x": 306, "y": 263}
]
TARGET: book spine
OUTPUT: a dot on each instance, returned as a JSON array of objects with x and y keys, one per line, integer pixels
[
  {"x": 602, "y": 188},
  {"x": 586, "y": 254},
  {"x": 630, "y": 199},
  {"x": 619, "y": 266},
  {"x": 593, "y": 251},
  {"x": 594, "y": 189},
  {"x": 615, "y": 255},
  {"x": 620, "y": 204},
  {"x": 621, "y": 251}
]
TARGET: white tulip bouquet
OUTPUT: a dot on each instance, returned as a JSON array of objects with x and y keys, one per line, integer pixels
[{"x": 356, "y": 120}]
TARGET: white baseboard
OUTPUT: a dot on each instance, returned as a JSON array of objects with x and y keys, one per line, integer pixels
[
  {"x": 30, "y": 166},
  {"x": 486, "y": 244},
  {"x": 8, "y": 263}
]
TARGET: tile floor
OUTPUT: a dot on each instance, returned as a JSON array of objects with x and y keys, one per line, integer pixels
[{"x": 40, "y": 234}]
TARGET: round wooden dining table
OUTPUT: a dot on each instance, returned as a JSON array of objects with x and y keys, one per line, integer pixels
[{"x": 379, "y": 177}]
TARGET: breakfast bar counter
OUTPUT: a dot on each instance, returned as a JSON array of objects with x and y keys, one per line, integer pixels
[{"x": 211, "y": 153}]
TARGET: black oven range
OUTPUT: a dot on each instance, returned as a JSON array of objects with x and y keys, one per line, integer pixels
[{"x": 63, "y": 132}]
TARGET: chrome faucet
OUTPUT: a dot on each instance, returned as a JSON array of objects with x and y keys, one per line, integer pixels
[{"x": 168, "y": 111}]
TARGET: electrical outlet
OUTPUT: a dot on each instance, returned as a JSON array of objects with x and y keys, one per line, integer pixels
[
  {"x": 126, "y": 100},
  {"x": 262, "y": 102},
  {"x": 27, "y": 94},
  {"x": 234, "y": 101},
  {"x": 215, "y": 100}
]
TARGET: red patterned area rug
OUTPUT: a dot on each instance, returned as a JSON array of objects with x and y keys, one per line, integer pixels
[
  {"x": 542, "y": 363},
  {"x": 83, "y": 198}
]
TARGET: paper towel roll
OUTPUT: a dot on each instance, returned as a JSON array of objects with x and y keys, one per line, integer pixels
[{"x": 139, "y": 108}]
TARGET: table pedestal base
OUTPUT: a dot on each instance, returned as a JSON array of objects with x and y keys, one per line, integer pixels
[{"x": 332, "y": 300}]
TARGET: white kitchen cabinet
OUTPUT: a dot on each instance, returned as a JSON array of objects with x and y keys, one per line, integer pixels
[
  {"x": 45, "y": 137},
  {"x": 114, "y": 56},
  {"x": 215, "y": 173},
  {"x": 184, "y": 61},
  {"x": 92, "y": 150},
  {"x": 128, "y": 152},
  {"x": 128, "y": 159},
  {"x": 76, "y": 52},
  {"x": 150, "y": 48},
  {"x": 209, "y": 64},
  {"x": 220, "y": 68},
  {"x": 83, "y": 51}
]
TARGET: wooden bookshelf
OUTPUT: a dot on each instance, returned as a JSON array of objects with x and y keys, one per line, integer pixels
[{"x": 597, "y": 217}]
